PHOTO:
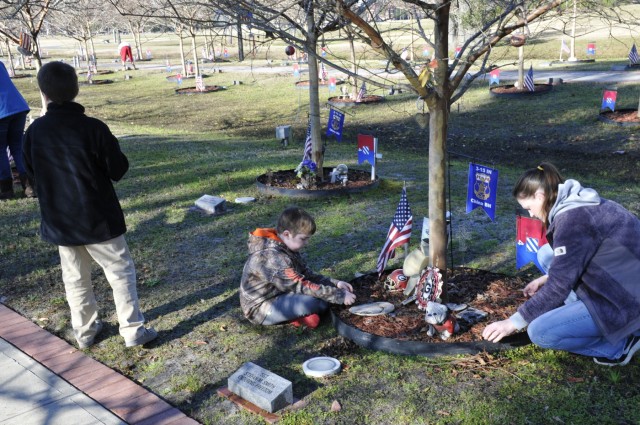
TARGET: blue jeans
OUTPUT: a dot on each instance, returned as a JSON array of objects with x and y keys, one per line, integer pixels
[
  {"x": 11, "y": 132},
  {"x": 571, "y": 328},
  {"x": 287, "y": 307}
]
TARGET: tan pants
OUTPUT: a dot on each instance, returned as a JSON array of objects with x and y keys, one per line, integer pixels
[{"x": 114, "y": 258}]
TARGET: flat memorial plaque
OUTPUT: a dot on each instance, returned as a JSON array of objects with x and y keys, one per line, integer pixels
[{"x": 261, "y": 387}]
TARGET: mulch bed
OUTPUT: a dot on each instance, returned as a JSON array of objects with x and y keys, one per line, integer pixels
[
  {"x": 287, "y": 179},
  {"x": 496, "y": 294},
  {"x": 510, "y": 89},
  {"x": 193, "y": 90},
  {"x": 366, "y": 99},
  {"x": 626, "y": 115}
]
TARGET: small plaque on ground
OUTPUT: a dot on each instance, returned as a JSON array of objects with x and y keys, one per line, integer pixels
[{"x": 261, "y": 387}]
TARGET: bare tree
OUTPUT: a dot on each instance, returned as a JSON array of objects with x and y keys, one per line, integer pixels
[{"x": 446, "y": 79}]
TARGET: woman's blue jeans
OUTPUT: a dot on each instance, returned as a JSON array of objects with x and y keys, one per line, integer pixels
[
  {"x": 571, "y": 328},
  {"x": 11, "y": 132}
]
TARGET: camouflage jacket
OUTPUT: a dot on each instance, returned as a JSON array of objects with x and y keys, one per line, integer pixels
[{"x": 272, "y": 270}]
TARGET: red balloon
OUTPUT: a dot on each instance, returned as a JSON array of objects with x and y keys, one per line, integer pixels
[{"x": 290, "y": 50}]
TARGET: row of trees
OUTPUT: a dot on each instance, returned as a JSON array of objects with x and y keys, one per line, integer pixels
[{"x": 473, "y": 26}]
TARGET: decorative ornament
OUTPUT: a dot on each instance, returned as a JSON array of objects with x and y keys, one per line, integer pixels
[
  {"x": 396, "y": 281},
  {"x": 429, "y": 287},
  {"x": 289, "y": 50}
]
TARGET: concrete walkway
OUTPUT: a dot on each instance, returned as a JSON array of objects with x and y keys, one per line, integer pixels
[{"x": 46, "y": 381}]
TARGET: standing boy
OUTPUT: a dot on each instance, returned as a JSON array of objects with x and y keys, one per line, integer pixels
[
  {"x": 74, "y": 158},
  {"x": 277, "y": 286}
]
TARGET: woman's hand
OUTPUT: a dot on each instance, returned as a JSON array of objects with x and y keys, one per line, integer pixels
[
  {"x": 533, "y": 286},
  {"x": 344, "y": 285},
  {"x": 349, "y": 298},
  {"x": 494, "y": 332}
]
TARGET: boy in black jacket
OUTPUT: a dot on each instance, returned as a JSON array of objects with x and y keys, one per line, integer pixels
[{"x": 74, "y": 158}]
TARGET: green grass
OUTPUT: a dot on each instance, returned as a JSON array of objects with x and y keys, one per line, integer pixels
[{"x": 189, "y": 264}]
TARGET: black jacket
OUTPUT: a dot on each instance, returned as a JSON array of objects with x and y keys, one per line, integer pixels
[{"x": 73, "y": 159}]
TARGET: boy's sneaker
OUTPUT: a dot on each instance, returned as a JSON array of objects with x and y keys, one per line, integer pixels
[
  {"x": 311, "y": 321},
  {"x": 149, "y": 335},
  {"x": 632, "y": 345},
  {"x": 89, "y": 342}
]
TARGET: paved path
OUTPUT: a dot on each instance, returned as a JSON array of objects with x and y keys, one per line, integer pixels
[{"x": 46, "y": 381}]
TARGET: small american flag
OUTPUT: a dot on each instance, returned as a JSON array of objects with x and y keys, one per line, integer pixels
[
  {"x": 308, "y": 143},
  {"x": 199, "y": 83},
  {"x": 362, "y": 92},
  {"x": 528, "y": 80},
  {"x": 323, "y": 72},
  {"x": 633, "y": 55},
  {"x": 399, "y": 232}
]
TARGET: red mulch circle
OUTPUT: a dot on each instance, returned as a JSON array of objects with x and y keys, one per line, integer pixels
[
  {"x": 622, "y": 116},
  {"x": 496, "y": 294},
  {"x": 510, "y": 89},
  {"x": 287, "y": 179},
  {"x": 307, "y": 83},
  {"x": 344, "y": 101},
  {"x": 95, "y": 82},
  {"x": 193, "y": 90}
]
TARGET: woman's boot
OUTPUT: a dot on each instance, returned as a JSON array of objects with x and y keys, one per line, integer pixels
[
  {"x": 6, "y": 189},
  {"x": 28, "y": 186}
]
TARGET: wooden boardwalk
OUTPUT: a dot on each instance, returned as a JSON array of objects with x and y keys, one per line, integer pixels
[{"x": 126, "y": 399}]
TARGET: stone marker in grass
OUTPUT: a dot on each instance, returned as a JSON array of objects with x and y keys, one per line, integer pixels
[{"x": 261, "y": 387}]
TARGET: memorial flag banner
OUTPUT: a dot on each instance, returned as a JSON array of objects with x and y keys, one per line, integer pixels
[
  {"x": 609, "y": 100},
  {"x": 308, "y": 143},
  {"x": 362, "y": 92},
  {"x": 296, "y": 70},
  {"x": 323, "y": 72},
  {"x": 528, "y": 80},
  {"x": 633, "y": 55},
  {"x": 564, "y": 47},
  {"x": 530, "y": 237},
  {"x": 482, "y": 189},
  {"x": 332, "y": 84},
  {"x": 591, "y": 48},
  {"x": 366, "y": 149},
  {"x": 457, "y": 52},
  {"x": 199, "y": 83},
  {"x": 24, "y": 46},
  {"x": 399, "y": 232},
  {"x": 335, "y": 124},
  {"x": 494, "y": 77}
]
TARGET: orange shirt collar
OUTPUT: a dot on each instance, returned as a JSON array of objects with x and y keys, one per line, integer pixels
[{"x": 269, "y": 233}]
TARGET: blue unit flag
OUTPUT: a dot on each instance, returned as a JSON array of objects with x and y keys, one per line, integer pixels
[
  {"x": 482, "y": 189},
  {"x": 335, "y": 124}
]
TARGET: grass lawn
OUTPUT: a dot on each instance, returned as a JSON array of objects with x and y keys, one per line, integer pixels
[{"x": 189, "y": 264}]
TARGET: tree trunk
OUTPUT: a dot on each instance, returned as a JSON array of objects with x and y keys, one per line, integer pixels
[
  {"x": 354, "y": 66},
  {"x": 314, "y": 98},
  {"x": 182, "y": 58},
  {"x": 93, "y": 47},
  {"x": 438, "y": 126},
  {"x": 195, "y": 52},
  {"x": 12, "y": 68},
  {"x": 520, "y": 81},
  {"x": 438, "y": 103},
  {"x": 240, "y": 40}
]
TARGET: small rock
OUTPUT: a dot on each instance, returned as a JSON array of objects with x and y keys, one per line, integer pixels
[{"x": 335, "y": 406}]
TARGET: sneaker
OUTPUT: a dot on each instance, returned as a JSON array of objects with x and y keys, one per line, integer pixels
[
  {"x": 632, "y": 345},
  {"x": 89, "y": 342},
  {"x": 311, "y": 321},
  {"x": 149, "y": 335}
]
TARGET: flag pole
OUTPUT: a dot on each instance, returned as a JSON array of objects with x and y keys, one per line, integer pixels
[
  {"x": 561, "y": 46},
  {"x": 406, "y": 246},
  {"x": 375, "y": 154}
]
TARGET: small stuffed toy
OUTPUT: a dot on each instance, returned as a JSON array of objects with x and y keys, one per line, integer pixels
[{"x": 440, "y": 320}]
